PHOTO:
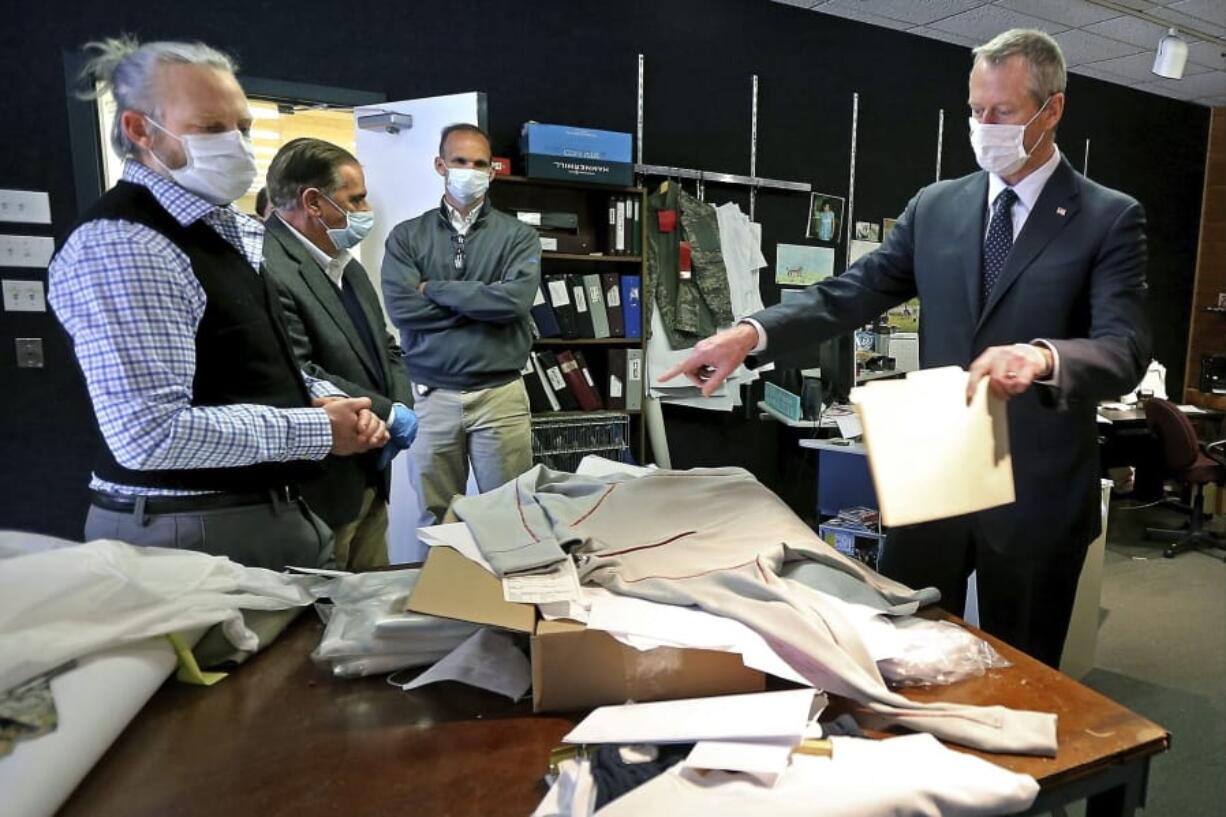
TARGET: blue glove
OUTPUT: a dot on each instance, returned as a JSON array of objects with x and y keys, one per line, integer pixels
[{"x": 402, "y": 428}]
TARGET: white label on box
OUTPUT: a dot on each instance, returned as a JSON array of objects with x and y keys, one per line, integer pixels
[
  {"x": 530, "y": 218},
  {"x": 580, "y": 300},
  {"x": 612, "y": 213},
  {"x": 588, "y": 377},
  {"x": 594, "y": 294},
  {"x": 613, "y": 296},
  {"x": 567, "y": 366},
  {"x": 559, "y": 583},
  {"x": 538, "y": 298},
  {"x": 557, "y": 293},
  {"x": 555, "y": 379},
  {"x": 549, "y": 244},
  {"x": 634, "y": 365},
  {"x": 615, "y": 386},
  {"x": 25, "y": 206}
]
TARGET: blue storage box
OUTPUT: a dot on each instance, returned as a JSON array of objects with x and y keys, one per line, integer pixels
[{"x": 569, "y": 142}]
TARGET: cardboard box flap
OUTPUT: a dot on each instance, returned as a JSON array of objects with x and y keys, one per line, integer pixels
[{"x": 452, "y": 586}]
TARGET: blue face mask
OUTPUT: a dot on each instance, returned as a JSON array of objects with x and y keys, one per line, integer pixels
[{"x": 357, "y": 226}]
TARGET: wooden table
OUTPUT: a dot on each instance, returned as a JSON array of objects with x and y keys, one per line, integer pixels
[{"x": 281, "y": 736}]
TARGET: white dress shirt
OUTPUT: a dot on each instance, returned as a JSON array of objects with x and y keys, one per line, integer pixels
[
  {"x": 333, "y": 267},
  {"x": 463, "y": 222}
]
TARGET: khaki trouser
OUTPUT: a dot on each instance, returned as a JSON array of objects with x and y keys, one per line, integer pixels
[
  {"x": 490, "y": 428},
  {"x": 362, "y": 544}
]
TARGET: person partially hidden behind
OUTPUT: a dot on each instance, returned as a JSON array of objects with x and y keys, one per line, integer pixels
[
  {"x": 459, "y": 281},
  {"x": 208, "y": 423},
  {"x": 1031, "y": 276},
  {"x": 335, "y": 324}
]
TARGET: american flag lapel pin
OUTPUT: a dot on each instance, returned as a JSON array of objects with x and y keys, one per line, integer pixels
[{"x": 1060, "y": 211}]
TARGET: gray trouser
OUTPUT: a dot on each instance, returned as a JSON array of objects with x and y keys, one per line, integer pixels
[
  {"x": 491, "y": 428},
  {"x": 272, "y": 535}
]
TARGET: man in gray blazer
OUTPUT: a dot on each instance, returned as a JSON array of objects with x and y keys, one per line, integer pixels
[
  {"x": 335, "y": 323},
  {"x": 1029, "y": 275}
]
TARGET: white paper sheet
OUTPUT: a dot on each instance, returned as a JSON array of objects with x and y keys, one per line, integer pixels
[
  {"x": 849, "y": 426},
  {"x": 454, "y": 535},
  {"x": 487, "y": 660},
  {"x": 645, "y": 625},
  {"x": 765, "y": 760},
  {"x": 781, "y": 716},
  {"x": 931, "y": 454},
  {"x": 560, "y": 583}
]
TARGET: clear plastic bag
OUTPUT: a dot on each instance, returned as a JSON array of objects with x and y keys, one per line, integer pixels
[
  {"x": 368, "y": 631},
  {"x": 935, "y": 653}
]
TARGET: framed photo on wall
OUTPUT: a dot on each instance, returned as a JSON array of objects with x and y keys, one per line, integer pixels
[{"x": 825, "y": 218}]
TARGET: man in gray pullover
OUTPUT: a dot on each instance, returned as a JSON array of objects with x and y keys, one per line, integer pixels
[{"x": 459, "y": 283}]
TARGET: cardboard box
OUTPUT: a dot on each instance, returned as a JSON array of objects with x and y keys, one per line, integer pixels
[
  {"x": 573, "y": 667},
  {"x": 588, "y": 171},
  {"x": 502, "y": 166}
]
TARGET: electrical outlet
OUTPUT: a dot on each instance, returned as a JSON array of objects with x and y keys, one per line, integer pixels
[
  {"x": 25, "y": 206},
  {"x": 29, "y": 353},
  {"x": 24, "y": 296},
  {"x": 26, "y": 251}
]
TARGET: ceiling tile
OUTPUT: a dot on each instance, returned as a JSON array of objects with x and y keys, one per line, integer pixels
[
  {"x": 1210, "y": 83},
  {"x": 945, "y": 36},
  {"x": 1206, "y": 54},
  {"x": 986, "y": 22},
  {"x": 1072, "y": 14},
  {"x": 1166, "y": 87},
  {"x": 802, "y": 3},
  {"x": 1183, "y": 21},
  {"x": 1207, "y": 11},
  {"x": 909, "y": 11},
  {"x": 1096, "y": 73},
  {"x": 1082, "y": 47},
  {"x": 1130, "y": 30},
  {"x": 861, "y": 14},
  {"x": 1139, "y": 67}
]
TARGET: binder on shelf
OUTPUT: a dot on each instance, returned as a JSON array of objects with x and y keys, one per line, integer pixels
[
  {"x": 619, "y": 245},
  {"x": 543, "y": 319},
  {"x": 632, "y": 311},
  {"x": 558, "y": 287},
  {"x": 553, "y": 376},
  {"x": 540, "y": 395},
  {"x": 613, "y": 303},
  {"x": 588, "y": 379},
  {"x": 611, "y": 243},
  {"x": 637, "y": 243},
  {"x": 595, "y": 303},
  {"x": 615, "y": 388},
  {"x": 629, "y": 222},
  {"x": 583, "y": 313},
  {"x": 634, "y": 379},
  {"x": 572, "y": 372}
]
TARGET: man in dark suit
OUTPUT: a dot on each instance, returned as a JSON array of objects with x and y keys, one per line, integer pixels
[
  {"x": 336, "y": 326},
  {"x": 1030, "y": 275}
]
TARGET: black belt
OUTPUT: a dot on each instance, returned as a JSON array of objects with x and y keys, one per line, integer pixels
[{"x": 193, "y": 502}]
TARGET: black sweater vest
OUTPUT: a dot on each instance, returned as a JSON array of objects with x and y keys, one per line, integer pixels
[{"x": 242, "y": 352}]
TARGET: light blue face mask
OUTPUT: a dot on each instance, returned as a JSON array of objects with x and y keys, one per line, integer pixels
[{"x": 357, "y": 226}]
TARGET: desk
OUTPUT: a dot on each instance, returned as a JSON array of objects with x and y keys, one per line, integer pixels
[
  {"x": 283, "y": 737},
  {"x": 1133, "y": 418}
]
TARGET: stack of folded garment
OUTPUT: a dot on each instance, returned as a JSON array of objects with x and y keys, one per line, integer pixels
[{"x": 370, "y": 632}]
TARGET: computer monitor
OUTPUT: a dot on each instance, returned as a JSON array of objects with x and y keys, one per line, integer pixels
[{"x": 837, "y": 360}]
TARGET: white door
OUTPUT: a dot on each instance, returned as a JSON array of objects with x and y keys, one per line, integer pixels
[{"x": 401, "y": 184}]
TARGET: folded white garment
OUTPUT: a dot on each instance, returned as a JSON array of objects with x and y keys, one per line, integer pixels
[{"x": 913, "y": 775}]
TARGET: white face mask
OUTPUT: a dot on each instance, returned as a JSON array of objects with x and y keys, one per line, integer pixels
[
  {"x": 220, "y": 166},
  {"x": 1001, "y": 149},
  {"x": 466, "y": 184}
]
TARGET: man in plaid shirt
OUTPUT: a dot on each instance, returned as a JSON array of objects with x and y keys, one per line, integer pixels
[{"x": 207, "y": 421}]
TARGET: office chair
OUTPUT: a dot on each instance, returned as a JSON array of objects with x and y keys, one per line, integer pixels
[{"x": 1193, "y": 465}]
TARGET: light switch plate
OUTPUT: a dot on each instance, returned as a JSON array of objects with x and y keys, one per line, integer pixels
[
  {"x": 25, "y": 206},
  {"x": 24, "y": 296},
  {"x": 29, "y": 353},
  {"x": 26, "y": 251}
]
